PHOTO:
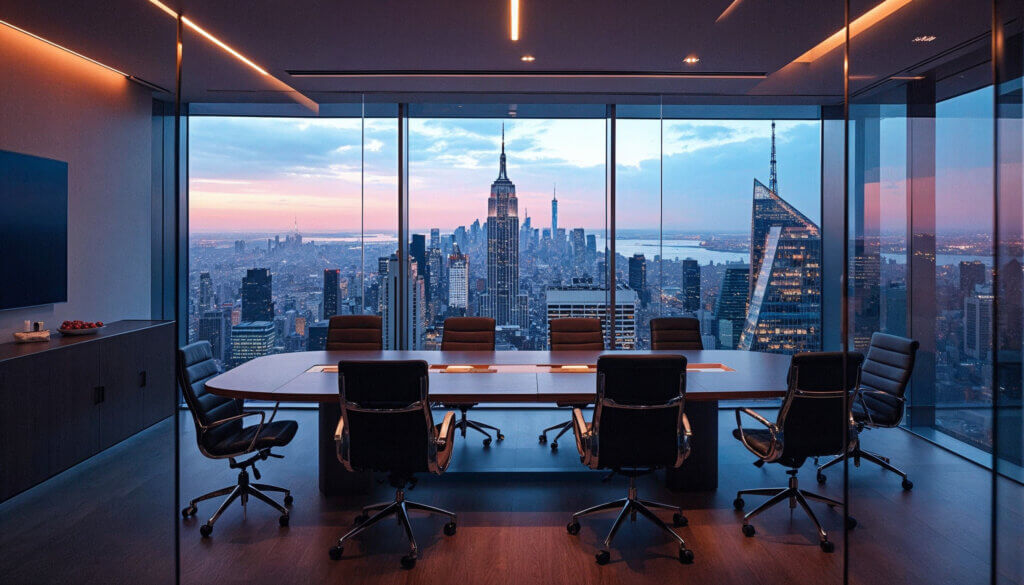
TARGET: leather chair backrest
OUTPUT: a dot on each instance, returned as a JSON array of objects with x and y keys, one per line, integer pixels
[
  {"x": 646, "y": 437},
  {"x": 815, "y": 409},
  {"x": 888, "y": 364},
  {"x": 676, "y": 333},
  {"x": 468, "y": 334},
  {"x": 355, "y": 332},
  {"x": 387, "y": 417},
  {"x": 576, "y": 333},
  {"x": 195, "y": 366}
]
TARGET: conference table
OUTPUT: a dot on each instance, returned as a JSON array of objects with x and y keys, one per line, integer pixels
[{"x": 513, "y": 378}]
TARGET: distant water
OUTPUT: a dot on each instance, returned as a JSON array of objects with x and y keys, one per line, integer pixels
[
  {"x": 674, "y": 250},
  {"x": 944, "y": 259}
]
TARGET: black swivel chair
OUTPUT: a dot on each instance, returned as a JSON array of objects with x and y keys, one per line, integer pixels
[
  {"x": 638, "y": 426},
  {"x": 386, "y": 426},
  {"x": 220, "y": 434},
  {"x": 810, "y": 424},
  {"x": 470, "y": 334},
  {"x": 571, "y": 334},
  {"x": 879, "y": 402}
]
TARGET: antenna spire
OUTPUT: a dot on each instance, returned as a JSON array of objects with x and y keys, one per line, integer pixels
[
  {"x": 773, "y": 179},
  {"x": 554, "y": 192},
  {"x": 502, "y": 173}
]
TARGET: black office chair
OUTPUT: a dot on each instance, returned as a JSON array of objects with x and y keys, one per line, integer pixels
[
  {"x": 880, "y": 402},
  {"x": 810, "y": 424},
  {"x": 220, "y": 434},
  {"x": 470, "y": 334},
  {"x": 386, "y": 426},
  {"x": 571, "y": 334},
  {"x": 638, "y": 426}
]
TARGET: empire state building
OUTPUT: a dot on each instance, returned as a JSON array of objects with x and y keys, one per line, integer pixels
[{"x": 502, "y": 301}]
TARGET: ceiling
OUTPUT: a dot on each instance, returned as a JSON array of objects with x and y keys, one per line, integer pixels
[{"x": 575, "y": 36}]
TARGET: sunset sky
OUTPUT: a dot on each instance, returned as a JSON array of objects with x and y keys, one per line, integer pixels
[{"x": 265, "y": 174}]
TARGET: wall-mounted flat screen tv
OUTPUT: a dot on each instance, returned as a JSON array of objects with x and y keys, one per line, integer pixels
[{"x": 33, "y": 230}]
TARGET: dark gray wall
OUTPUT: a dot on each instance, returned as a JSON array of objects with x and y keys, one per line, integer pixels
[{"x": 56, "y": 105}]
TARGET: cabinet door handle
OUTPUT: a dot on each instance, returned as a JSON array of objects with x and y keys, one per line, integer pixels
[
  {"x": 98, "y": 394},
  {"x": 142, "y": 378}
]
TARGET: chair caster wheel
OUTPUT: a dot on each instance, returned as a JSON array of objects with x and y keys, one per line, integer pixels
[
  {"x": 908, "y": 485},
  {"x": 206, "y": 530},
  {"x": 759, "y": 464},
  {"x": 573, "y": 527},
  {"x": 449, "y": 529},
  {"x": 335, "y": 552},
  {"x": 603, "y": 557},
  {"x": 542, "y": 439},
  {"x": 501, "y": 437},
  {"x": 408, "y": 562},
  {"x": 288, "y": 499},
  {"x": 685, "y": 556},
  {"x": 821, "y": 477},
  {"x": 360, "y": 519},
  {"x": 738, "y": 503},
  {"x": 554, "y": 445},
  {"x": 189, "y": 511},
  {"x": 851, "y": 522},
  {"x": 487, "y": 442},
  {"x": 748, "y": 530},
  {"x": 679, "y": 520},
  {"x": 283, "y": 520},
  {"x": 827, "y": 546}
]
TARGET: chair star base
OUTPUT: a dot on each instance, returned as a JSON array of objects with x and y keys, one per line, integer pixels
[
  {"x": 463, "y": 424},
  {"x": 242, "y": 490},
  {"x": 796, "y": 496},
  {"x": 857, "y": 454},
  {"x": 398, "y": 507},
  {"x": 629, "y": 507}
]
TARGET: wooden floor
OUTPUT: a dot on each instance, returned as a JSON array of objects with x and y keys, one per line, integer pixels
[{"x": 96, "y": 523}]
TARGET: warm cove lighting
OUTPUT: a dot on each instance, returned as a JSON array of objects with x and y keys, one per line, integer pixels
[
  {"x": 728, "y": 10},
  {"x": 65, "y": 49},
  {"x": 861, "y": 24},
  {"x": 513, "y": 15},
  {"x": 295, "y": 94}
]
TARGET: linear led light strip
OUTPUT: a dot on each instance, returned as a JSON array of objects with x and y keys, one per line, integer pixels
[
  {"x": 65, "y": 49},
  {"x": 513, "y": 15},
  {"x": 867, "y": 20},
  {"x": 294, "y": 93},
  {"x": 530, "y": 74}
]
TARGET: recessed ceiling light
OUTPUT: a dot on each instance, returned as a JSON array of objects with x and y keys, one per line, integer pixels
[
  {"x": 528, "y": 58},
  {"x": 513, "y": 16},
  {"x": 924, "y": 39},
  {"x": 692, "y": 60}
]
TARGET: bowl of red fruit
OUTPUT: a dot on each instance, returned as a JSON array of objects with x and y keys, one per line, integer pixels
[{"x": 80, "y": 327}]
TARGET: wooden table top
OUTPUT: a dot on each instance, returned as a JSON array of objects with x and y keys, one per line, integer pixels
[{"x": 287, "y": 376}]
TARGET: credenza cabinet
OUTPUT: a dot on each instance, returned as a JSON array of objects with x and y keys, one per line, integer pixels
[{"x": 66, "y": 400}]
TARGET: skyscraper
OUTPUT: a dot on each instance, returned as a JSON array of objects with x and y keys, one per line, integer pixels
[
  {"x": 583, "y": 298},
  {"x": 331, "y": 285},
  {"x": 389, "y": 297},
  {"x": 418, "y": 251},
  {"x": 978, "y": 322},
  {"x": 435, "y": 238},
  {"x": 579, "y": 250},
  {"x": 251, "y": 339},
  {"x": 731, "y": 306},
  {"x": 784, "y": 299},
  {"x": 554, "y": 208},
  {"x": 691, "y": 285},
  {"x": 257, "y": 303},
  {"x": 638, "y": 276},
  {"x": 458, "y": 281},
  {"x": 971, "y": 275},
  {"x": 213, "y": 328},
  {"x": 502, "y": 300},
  {"x": 205, "y": 291}
]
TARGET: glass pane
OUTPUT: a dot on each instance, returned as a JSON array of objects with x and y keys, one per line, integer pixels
[{"x": 505, "y": 216}]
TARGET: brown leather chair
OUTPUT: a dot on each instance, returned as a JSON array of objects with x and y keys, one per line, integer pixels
[
  {"x": 470, "y": 334},
  {"x": 676, "y": 333},
  {"x": 574, "y": 333},
  {"x": 354, "y": 332}
]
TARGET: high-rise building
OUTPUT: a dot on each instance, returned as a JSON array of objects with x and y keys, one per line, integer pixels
[
  {"x": 579, "y": 250},
  {"x": 894, "y": 309},
  {"x": 691, "y": 285},
  {"x": 784, "y": 302},
  {"x": 435, "y": 238},
  {"x": 434, "y": 279},
  {"x": 638, "y": 276},
  {"x": 414, "y": 299},
  {"x": 382, "y": 265},
  {"x": 213, "y": 328},
  {"x": 731, "y": 305},
  {"x": 972, "y": 274},
  {"x": 418, "y": 251},
  {"x": 205, "y": 291},
  {"x": 502, "y": 300},
  {"x": 458, "y": 281},
  {"x": 554, "y": 209},
  {"x": 317, "y": 339},
  {"x": 583, "y": 298},
  {"x": 257, "y": 300},
  {"x": 331, "y": 286},
  {"x": 251, "y": 339},
  {"x": 978, "y": 322},
  {"x": 592, "y": 245}
]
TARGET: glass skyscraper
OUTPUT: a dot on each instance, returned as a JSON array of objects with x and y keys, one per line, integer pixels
[{"x": 502, "y": 301}]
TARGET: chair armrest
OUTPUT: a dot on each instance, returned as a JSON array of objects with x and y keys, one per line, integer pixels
[
  {"x": 444, "y": 433},
  {"x": 339, "y": 431},
  {"x": 687, "y": 431},
  {"x": 769, "y": 425},
  {"x": 256, "y": 435}
]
